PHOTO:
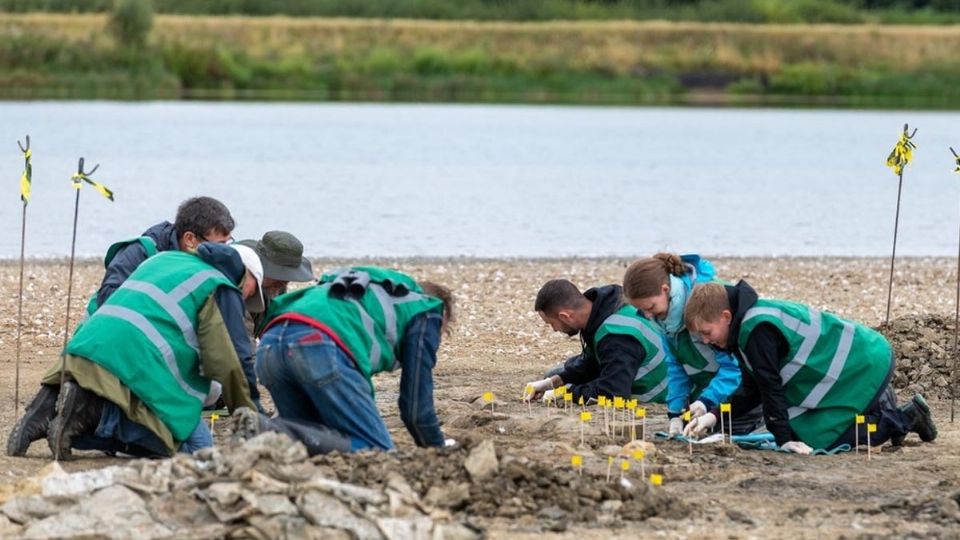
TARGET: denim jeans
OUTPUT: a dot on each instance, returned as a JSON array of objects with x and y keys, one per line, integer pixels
[
  {"x": 117, "y": 433},
  {"x": 312, "y": 379}
]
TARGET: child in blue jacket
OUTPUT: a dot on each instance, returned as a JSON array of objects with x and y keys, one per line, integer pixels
[{"x": 700, "y": 377}]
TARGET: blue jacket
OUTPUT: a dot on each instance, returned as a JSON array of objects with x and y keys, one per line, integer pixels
[{"x": 727, "y": 379}]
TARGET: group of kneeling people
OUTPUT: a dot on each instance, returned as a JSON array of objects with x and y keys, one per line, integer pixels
[
  {"x": 676, "y": 334},
  {"x": 172, "y": 330}
]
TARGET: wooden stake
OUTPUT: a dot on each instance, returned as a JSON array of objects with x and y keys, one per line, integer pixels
[{"x": 24, "y": 197}]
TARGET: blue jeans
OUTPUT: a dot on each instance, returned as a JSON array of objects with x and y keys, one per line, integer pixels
[
  {"x": 312, "y": 379},
  {"x": 117, "y": 433}
]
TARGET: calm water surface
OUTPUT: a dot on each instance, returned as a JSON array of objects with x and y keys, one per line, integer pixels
[{"x": 443, "y": 180}]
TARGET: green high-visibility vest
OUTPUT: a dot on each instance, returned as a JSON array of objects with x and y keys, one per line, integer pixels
[
  {"x": 834, "y": 368},
  {"x": 698, "y": 360},
  {"x": 149, "y": 246},
  {"x": 146, "y": 335},
  {"x": 650, "y": 381},
  {"x": 371, "y": 325}
]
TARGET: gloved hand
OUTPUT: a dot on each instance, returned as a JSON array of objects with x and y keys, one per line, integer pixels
[
  {"x": 798, "y": 447},
  {"x": 539, "y": 387},
  {"x": 548, "y": 397},
  {"x": 699, "y": 425},
  {"x": 697, "y": 408},
  {"x": 449, "y": 443},
  {"x": 676, "y": 426}
]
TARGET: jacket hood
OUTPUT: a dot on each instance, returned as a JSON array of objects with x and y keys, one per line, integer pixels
[
  {"x": 741, "y": 297},
  {"x": 606, "y": 301},
  {"x": 164, "y": 235}
]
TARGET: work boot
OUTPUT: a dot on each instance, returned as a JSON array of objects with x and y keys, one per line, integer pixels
[
  {"x": 34, "y": 423},
  {"x": 922, "y": 419},
  {"x": 78, "y": 412}
]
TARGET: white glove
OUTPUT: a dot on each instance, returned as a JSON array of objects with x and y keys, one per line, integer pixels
[
  {"x": 539, "y": 387},
  {"x": 676, "y": 426},
  {"x": 548, "y": 397},
  {"x": 798, "y": 447},
  {"x": 699, "y": 425},
  {"x": 448, "y": 443},
  {"x": 697, "y": 408}
]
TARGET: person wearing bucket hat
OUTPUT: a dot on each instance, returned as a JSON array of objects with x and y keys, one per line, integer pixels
[{"x": 282, "y": 256}]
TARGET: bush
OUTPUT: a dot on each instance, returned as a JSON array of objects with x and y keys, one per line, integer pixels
[{"x": 131, "y": 21}]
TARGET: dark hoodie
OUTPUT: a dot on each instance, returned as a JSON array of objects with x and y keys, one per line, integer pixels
[
  {"x": 608, "y": 371},
  {"x": 764, "y": 349},
  {"x": 129, "y": 257}
]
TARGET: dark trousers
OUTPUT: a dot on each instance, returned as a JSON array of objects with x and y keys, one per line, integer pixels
[{"x": 890, "y": 420}]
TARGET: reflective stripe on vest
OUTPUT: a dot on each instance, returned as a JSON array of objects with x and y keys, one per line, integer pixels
[
  {"x": 709, "y": 356},
  {"x": 810, "y": 333},
  {"x": 660, "y": 387},
  {"x": 141, "y": 323},
  {"x": 825, "y": 384},
  {"x": 655, "y": 339}
]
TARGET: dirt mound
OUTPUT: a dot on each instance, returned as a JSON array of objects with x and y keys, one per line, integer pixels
[
  {"x": 536, "y": 493},
  {"x": 924, "y": 351}
]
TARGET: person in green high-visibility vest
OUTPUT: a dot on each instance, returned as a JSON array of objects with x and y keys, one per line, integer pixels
[
  {"x": 139, "y": 371},
  {"x": 701, "y": 377},
  {"x": 320, "y": 347},
  {"x": 813, "y": 371},
  {"x": 623, "y": 354}
]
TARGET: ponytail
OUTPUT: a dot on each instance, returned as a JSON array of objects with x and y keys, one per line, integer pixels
[{"x": 645, "y": 277}]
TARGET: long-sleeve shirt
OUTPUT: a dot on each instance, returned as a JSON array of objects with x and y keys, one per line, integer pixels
[
  {"x": 611, "y": 374},
  {"x": 418, "y": 357},
  {"x": 764, "y": 349}
]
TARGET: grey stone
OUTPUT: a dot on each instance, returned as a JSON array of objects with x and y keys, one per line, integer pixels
[
  {"x": 25, "y": 509},
  {"x": 327, "y": 511},
  {"x": 448, "y": 496},
  {"x": 482, "y": 461},
  {"x": 115, "y": 512},
  {"x": 273, "y": 504},
  {"x": 405, "y": 528}
]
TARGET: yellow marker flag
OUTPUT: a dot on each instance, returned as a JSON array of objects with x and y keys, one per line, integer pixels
[
  {"x": 586, "y": 416},
  {"x": 78, "y": 180},
  {"x": 687, "y": 416},
  {"x": 902, "y": 153},
  {"x": 580, "y": 401},
  {"x": 488, "y": 396},
  {"x": 528, "y": 391},
  {"x": 724, "y": 407},
  {"x": 576, "y": 460},
  {"x": 602, "y": 401},
  {"x": 26, "y": 177},
  {"x": 609, "y": 460},
  {"x": 871, "y": 428},
  {"x": 618, "y": 402},
  {"x": 632, "y": 404},
  {"x": 625, "y": 465},
  {"x": 656, "y": 479},
  {"x": 213, "y": 418},
  {"x": 642, "y": 412},
  {"x": 568, "y": 397},
  {"x": 861, "y": 418},
  {"x": 638, "y": 455}
]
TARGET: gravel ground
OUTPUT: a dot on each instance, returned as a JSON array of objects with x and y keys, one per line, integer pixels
[{"x": 499, "y": 343}]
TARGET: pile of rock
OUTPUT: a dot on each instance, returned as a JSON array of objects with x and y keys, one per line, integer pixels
[
  {"x": 924, "y": 351},
  {"x": 264, "y": 488}
]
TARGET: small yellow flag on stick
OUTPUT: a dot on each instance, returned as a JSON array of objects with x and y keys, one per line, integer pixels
[
  {"x": 902, "y": 153},
  {"x": 26, "y": 178},
  {"x": 656, "y": 479},
  {"x": 80, "y": 177},
  {"x": 861, "y": 418}
]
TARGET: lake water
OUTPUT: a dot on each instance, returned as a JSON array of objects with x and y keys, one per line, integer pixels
[{"x": 446, "y": 180}]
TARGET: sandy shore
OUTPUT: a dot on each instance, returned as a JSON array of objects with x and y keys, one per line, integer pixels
[{"x": 499, "y": 343}]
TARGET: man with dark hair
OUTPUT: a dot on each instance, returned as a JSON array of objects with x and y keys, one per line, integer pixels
[
  {"x": 321, "y": 346},
  {"x": 623, "y": 354}
]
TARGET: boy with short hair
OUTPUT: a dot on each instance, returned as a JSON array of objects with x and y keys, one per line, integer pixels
[{"x": 813, "y": 371}]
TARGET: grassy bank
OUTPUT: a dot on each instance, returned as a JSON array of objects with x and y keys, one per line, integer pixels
[{"x": 71, "y": 56}]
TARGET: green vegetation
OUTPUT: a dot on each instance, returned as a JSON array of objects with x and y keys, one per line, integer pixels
[
  {"x": 131, "y": 21},
  {"x": 74, "y": 56},
  {"x": 747, "y": 11}
]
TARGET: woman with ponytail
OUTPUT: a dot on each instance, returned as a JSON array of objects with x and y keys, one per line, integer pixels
[{"x": 701, "y": 377}]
